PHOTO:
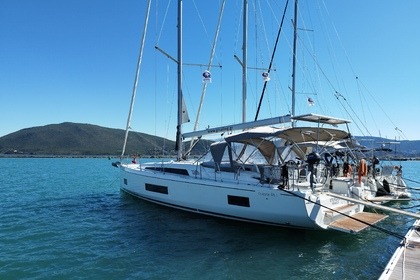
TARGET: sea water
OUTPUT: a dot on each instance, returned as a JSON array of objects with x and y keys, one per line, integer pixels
[{"x": 66, "y": 218}]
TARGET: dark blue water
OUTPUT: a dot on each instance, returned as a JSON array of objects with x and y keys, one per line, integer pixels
[{"x": 66, "y": 218}]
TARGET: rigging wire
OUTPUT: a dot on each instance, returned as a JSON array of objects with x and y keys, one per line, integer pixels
[
  {"x": 211, "y": 44},
  {"x": 271, "y": 60},
  {"x": 337, "y": 94},
  {"x": 163, "y": 22},
  {"x": 372, "y": 117},
  {"x": 258, "y": 54},
  {"x": 410, "y": 180},
  {"x": 336, "y": 91},
  {"x": 172, "y": 100},
  {"x": 401, "y": 133},
  {"x": 359, "y": 123},
  {"x": 238, "y": 21},
  {"x": 340, "y": 41},
  {"x": 309, "y": 79},
  {"x": 158, "y": 37},
  {"x": 136, "y": 79},
  {"x": 357, "y": 78},
  {"x": 212, "y": 54}
]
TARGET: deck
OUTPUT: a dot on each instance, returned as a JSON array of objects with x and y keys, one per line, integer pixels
[
  {"x": 405, "y": 263},
  {"x": 356, "y": 222}
]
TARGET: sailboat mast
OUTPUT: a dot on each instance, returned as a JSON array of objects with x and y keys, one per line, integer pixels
[
  {"x": 294, "y": 61},
  {"x": 179, "y": 122},
  {"x": 244, "y": 60}
]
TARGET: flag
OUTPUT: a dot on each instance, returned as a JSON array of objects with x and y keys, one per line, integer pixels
[
  {"x": 266, "y": 76},
  {"x": 311, "y": 102},
  {"x": 206, "y": 77},
  {"x": 185, "y": 117}
]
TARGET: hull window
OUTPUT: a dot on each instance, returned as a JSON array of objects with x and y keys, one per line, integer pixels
[
  {"x": 156, "y": 188},
  {"x": 170, "y": 170},
  {"x": 238, "y": 200},
  {"x": 125, "y": 181}
]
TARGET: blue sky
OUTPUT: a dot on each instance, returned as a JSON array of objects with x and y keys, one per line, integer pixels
[{"x": 75, "y": 61}]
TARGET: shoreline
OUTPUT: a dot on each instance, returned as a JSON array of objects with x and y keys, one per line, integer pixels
[
  {"x": 76, "y": 156},
  {"x": 144, "y": 156}
]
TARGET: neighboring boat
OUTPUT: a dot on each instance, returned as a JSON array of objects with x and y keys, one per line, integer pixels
[
  {"x": 383, "y": 177},
  {"x": 390, "y": 186},
  {"x": 269, "y": 171},
  {"x": 389, "y": 177}
]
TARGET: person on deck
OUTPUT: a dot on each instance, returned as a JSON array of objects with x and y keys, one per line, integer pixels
[
  {"x": 346, "y": 167},
  {"x": 362, "y": 170},
  {"x": 350, "y": 169}
]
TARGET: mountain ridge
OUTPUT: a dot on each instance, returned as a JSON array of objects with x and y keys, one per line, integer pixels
[
  {"x": 69, "y": 138},
  {"x": 82, "y": 139}
]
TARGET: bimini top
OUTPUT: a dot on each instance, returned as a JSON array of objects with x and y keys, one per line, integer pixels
[
  {"x": 292, "y": 134},
  {"x": 313, "y": 134},
  {"x": 297, "y": 134},
  {"x": 320, "y": 119},
  {"x": 262, "y": 137}
]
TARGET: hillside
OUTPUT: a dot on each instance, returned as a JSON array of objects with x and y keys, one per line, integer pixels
[
  {"x": 89, "y": 140},
  {"x": 83, "y": 139}
]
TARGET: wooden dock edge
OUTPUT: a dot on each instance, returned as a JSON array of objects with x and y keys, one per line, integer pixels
[{"x": 405, "y": 262}]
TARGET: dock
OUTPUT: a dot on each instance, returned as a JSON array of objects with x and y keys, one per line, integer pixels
[{"x": 405, "y": 262}]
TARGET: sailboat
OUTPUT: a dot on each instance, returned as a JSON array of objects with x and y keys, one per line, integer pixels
[{"x": 268, "y": 171}]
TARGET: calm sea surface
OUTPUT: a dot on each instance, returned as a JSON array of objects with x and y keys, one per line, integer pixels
[{"x": 66, "y": 218}]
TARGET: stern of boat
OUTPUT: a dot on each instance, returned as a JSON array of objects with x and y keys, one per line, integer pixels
[
  {"x": 347, "y": 217},
  {"x": 339, "y": 210}
]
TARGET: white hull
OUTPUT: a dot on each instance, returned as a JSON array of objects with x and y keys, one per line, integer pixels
[{"x": 230, "y": 198}]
